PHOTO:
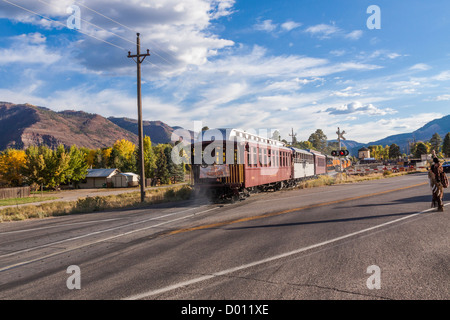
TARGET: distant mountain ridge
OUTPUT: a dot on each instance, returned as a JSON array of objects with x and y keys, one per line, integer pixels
[
  {"x": 440, "y": 126},
  {"x": 23, "y": 125},
  {"x": 158, "y": 131}
]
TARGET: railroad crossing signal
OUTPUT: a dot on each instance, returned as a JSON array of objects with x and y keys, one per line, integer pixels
[{"x": 340, "y": 153}]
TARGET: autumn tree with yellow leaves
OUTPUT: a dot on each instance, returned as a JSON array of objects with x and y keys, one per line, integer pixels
[{"x": 11, "y": 164}]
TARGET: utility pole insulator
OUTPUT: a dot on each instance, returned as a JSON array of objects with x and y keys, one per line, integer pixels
[{"x": 139, "y": 59}]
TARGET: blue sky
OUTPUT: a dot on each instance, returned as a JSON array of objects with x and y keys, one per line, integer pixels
[{"x": 254, "y": 65}]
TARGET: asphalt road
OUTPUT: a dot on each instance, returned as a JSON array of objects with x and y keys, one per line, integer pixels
[{"x": 370, "y": 240}]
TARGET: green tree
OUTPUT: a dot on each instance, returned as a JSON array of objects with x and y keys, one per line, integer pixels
[
  {"x": 124, "y": 156},
  {"x": 420, "y": 148},
  {"x": 446, "y": 145},
  {"x": 385, "y": 152},
  {"x": 115, "y": 159},
  {"x": 436, "y": 142},
  {"x": 161, "y": 170},
  {"x": 319, "y": 140},
  {"x": 171, "y": 166},
  {"x": 375, "y": 151},
  {"x": 58, "y": 165},
  {"x": 149, "y": 158},
  {"x": 394, "y": 151},
  {"x": 48, "y": 167},
  {"x": 304, "y": 145},
  {"x": 77, "y": 164},
  {"x": 35, "y": 166}
]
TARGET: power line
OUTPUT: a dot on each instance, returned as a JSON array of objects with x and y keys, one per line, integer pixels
[
  {"x": 90, "y": 23},
  {"x": 64, "y": 25},
  {"x": 134, "y": 31},
  {"x": 84, "y": 6},
  {"x": 87, "y": 34}
]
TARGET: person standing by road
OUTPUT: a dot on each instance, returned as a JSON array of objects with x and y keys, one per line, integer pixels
[{"x": 435, "y": 175}]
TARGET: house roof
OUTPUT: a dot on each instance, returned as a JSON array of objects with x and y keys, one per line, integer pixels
[
  {"x": 364, "y": 149},
  {"x": 100, "y": 173}
]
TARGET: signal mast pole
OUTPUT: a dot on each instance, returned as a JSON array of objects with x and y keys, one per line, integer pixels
[
  {"x": 139, "y": 59},
  {"x": 340, "y": 136}
]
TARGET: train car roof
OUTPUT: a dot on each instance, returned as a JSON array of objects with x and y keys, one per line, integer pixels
[
  {"x": 300, "y": 150},
  {"x": 316, "y": 152},
  {"x": 224, "y": 134}
]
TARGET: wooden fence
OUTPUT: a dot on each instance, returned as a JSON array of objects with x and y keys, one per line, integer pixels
[{"x": 8, "y": 193}]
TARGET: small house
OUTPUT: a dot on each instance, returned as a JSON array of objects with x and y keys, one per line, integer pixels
[
  {"x": 98, "y": 178},
  {"x": 363, "y": 153}
]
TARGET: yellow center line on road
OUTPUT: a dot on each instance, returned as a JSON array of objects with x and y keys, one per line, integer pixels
[{"x": 272, "y": 214}]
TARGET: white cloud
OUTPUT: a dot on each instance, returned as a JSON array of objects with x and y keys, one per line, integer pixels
[
  {"x": 28, "y": 49},
  {"x": 345, "y": 93},
  {"x": 221, "y": 8},
  {"x": 443, "y": 76},
  {"x": 290, "y": 25},
  {"x": 163, "y": 25},
  {"x": 337, "y": 53},
  {"x": 420, "y": 67},
  {"x": 266, "y": 25},
  {"x": 374, "y": 130},
  {"x": 444, "y": 97},
  {"x": 382, "y": 54},
  {"x": 323, "y": 31},
  {"x": 358, "y": 107},
  {"x": 354, "y": 35}
]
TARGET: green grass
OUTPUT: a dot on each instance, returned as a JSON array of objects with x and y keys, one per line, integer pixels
[{"x": 15, "y": 201}]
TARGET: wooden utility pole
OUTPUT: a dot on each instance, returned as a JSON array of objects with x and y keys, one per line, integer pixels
[
  {"x": 293, "y": 136},
  {"x": 139, "y": 59}
]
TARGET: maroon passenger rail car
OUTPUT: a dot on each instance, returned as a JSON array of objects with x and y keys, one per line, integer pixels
[{"x": 230, "y": 163}]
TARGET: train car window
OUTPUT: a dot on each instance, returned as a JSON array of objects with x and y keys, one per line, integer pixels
[
  {"x": 277, "y": 159},
  {"x": 265, "y": 157},
  {"x": 259, "y": 157},
  {"x": 248, "y": 157}
]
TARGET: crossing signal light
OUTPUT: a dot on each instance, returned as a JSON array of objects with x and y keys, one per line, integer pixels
[{"x": 340, "y": 153}]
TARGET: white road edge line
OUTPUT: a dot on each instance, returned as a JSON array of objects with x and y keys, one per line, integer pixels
[
  {"x": 255, "y": 263},
  {"x": 103, "y": 231},
  {"x": 83, "y": 222},
  {"x": 98, "y": 241}
]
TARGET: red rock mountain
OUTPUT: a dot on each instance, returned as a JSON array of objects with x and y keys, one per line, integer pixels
[{"x": 22, "y": 125}]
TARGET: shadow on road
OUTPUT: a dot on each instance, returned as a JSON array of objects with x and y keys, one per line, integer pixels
[
  {"x": 424, "y": 198},
  {"x": 328, "y": 221}
]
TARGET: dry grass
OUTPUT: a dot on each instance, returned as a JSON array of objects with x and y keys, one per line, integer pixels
[
  {"x": 93, "y": 204},
  {"x": 344, "y": 178}
]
